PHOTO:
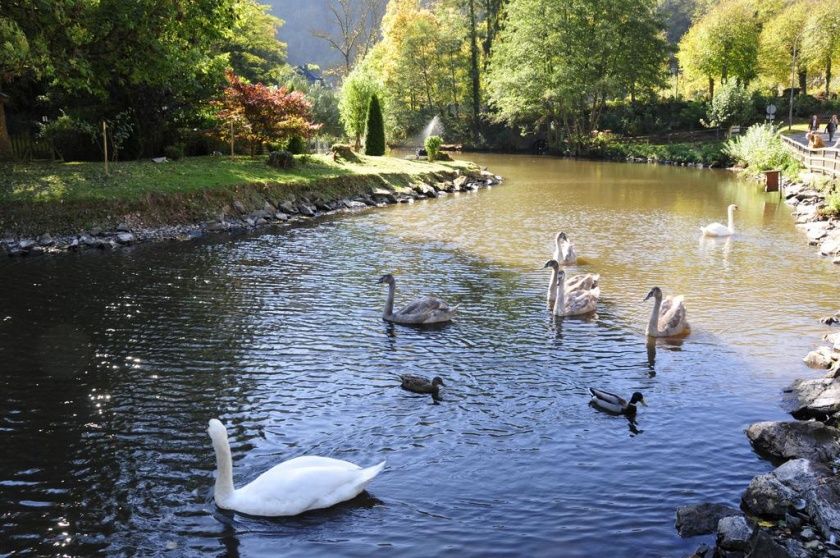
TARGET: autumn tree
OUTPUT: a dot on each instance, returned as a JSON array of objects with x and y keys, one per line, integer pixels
[{"x": 264, "y": 113}]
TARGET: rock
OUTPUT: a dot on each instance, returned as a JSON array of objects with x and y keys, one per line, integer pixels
[
  {"x": 703, "y": 551},
  {"x": 36, "y": 251},
  {"x": 46, "y": 240},
  {"x": 834, "y": 339},
  {"x": 426, "y": 190},
  {"x": 734, "y": 533},
  {"x": 762, "y": 545},
  {"x": 126, "y": 238},
  {"x": 793, "y": 440},
  {"x": 807, "y": 533},
  {"x": 354, "y": 204},
  {"x": 261, "y": 221},
  {"x": 268, "y": 208},
  {"x": 306, "y": 209},
  {"x": 831, "y": 244},
  {"x": 95, "y": 231},
  {"x": 280, "y": 216},
  {"x": 288, "y": 208},
  {"x": 322, "y": 205},
  {"x": 701, "y": 519},
  {"x": 822, "y": 357},
  {"x": 458, "y": 183},
  {"x": 767, "y": 496},
  {"x": 26, "y": 244},
  {"x": 74, "y": 245},
  {"x": 793, "y": 521},
  {"x": 217, "y": 226},
  {"x": 240, "y": 207},
  {"x": 251, "y": 222},
  {"x": 815, "y": 398},
  {"x": 831, "y": 320},
  {"x": 380, "y": 194},
  {"x": 87, "y": 240},
  {"x": 123, "y": 227},
  {"x": 816, "y": 230}
]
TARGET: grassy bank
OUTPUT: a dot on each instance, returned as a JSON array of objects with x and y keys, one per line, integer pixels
[{"x": 68, "y": 197}]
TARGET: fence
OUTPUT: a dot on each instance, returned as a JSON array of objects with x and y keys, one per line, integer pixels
[
  {"x": 26, "y": 148},
  {"x": 824, "y": 161}
]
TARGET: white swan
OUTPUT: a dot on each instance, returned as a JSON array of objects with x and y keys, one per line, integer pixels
[
  {"x": 668, "y": 316},
  {"x": 424, "y": 310},
  {"x": 292, "y": 487},
  {"x": 583, "y": 282},
  {"x": 564, "y": 250},
  {"x": 716, "y": 229},
  {"x": 574, "y": 303}
]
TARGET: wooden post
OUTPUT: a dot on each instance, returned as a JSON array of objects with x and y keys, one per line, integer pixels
[
  {"x": 231, "y": 137},
  {"x": 105, "y": 144}
]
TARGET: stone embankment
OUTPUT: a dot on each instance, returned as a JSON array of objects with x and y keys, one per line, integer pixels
[
  {"x": 239, "y": 217},
  {"x": 794, "y": 510},
  {"x": 808, "y": 204}
]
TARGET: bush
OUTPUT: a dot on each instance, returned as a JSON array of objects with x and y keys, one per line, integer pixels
[
  {"x": 174, "y": 152},
  {"x": 66, "y": 132},
  {"x": 342, "y": 151},
  {"x": 732, "y": 105},
  {"x": 296, "y": 145},
  {"x": 432, "y": 145},
  {"x": 832, "y": 205},
  {"x": 281, "y": 160},
  {"x": 375, "y": 130},
  {"x": 760, "y": 148}
]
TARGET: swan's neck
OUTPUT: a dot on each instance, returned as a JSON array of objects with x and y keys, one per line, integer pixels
[
  {"x": 560, "y": 301},
  {"x": 552, "y": 286},
  {"x": 223, "y": 491},
  {"x": 731, "y": 224},
  {"x": 653, "y": 324},
  {"x": 389, "y": 304}
]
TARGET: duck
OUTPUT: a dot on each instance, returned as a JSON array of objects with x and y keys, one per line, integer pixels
[
  {"x": 564, "y": 250},
  {"x": 668, "y": 318},
  {"x": 574, "y": 302},
  {"x": 615, "y": 404},
  {"x": 419, "y": 384},
  {"x": 424, "y": 310},
  {"x": 290, "y": 488},
  {"x": 717, "y": 229},
  {"x": 582, "y": 282}
]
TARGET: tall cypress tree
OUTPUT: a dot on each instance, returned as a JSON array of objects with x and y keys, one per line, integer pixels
[{"x": 375, "y": 132}]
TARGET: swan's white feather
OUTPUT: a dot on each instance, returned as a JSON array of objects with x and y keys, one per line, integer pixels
[{"x": 716, "y": 229}]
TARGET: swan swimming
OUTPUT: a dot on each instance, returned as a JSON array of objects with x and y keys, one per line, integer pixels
[
  {"x": 716, "y": 229},
  {"x": 668, "y": 316},
  {"x": 564, "y": 250},
  {"x": 583, "y": 282},
  {"x": 424, "y": 310},
  {"x": 576, "y": 302},
  {"x": 301, "y": 484}
]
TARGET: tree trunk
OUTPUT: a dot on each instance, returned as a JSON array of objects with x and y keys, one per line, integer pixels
[
  {"x": 358, "y": 145},
  {"x": 803, "y": 82},
  {"x": 827, "y": 78},
  {"x": 711, "y": 88},
  {"x": 5, "y": 140},
  {"x": 476, "y": 83}
]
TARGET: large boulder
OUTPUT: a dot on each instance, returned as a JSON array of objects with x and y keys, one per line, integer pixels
[
  {"x": 831, "y": 244},
  {"x": 821, "y": 357},
  {"x": 762, "y": 545},
  {"x": 815, "y": 398},
  {"x": 701, "y": 519},
  {"x": 733, "y": 533},
  {"x": 793, "y": 440},
  {"x": 802, "y": 484}
]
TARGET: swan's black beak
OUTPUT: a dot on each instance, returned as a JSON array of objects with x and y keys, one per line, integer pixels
[{"x": 650, "y": 294}]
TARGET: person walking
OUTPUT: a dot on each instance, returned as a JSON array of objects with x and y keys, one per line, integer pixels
[
  {"x": 814, "y": 124},
  {"x": 831, "y": 127}
]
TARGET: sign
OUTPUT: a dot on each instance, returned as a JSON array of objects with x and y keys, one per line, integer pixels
[{"x": 771, "y": 110}]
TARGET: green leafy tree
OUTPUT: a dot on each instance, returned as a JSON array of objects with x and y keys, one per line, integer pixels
[
  {"x": 552, "y": 65},
  {"x": 356, "y": 92},
  {"x": 253, "y": 48},
  {"x": 821, "y": 41},
  {"x": 723, "y": 44},
  {"x": 375, "y": 129},
  {"x": 781, "y": 43}
]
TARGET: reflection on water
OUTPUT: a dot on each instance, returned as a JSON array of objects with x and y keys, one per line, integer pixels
[{"x": 112, "y": 365}]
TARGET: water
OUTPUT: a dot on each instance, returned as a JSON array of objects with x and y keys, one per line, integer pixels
[
  {"x": 113, "y": 363},
  {"x": 434, "y": 127}
]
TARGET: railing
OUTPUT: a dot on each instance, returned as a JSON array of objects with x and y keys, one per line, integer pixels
[{"x": 824, "y": 161}]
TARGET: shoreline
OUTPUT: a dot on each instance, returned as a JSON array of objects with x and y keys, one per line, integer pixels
[{"x": 241, "y": 207}]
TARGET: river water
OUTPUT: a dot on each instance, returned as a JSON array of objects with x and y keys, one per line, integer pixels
[{"x": 113, "y": 363}]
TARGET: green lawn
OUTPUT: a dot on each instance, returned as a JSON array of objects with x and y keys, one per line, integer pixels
[
  {"x": 72, "y": 182},
  {"x": 69, "y": 197}
]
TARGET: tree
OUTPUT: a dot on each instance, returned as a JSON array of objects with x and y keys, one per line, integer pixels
[
  {"x": 731, "y": 105},
  {"x": 15, "y": 57},
  {"x": 252, "y": 46},
  {"x": 552, "y": 66},
  {"x": 375, "y": 130},
  {"x": 356, "y": 92},
  {"x": 357, "y": 23},
  {"x": 723, "y": 44},
  {"x": 821, "y": 42},
  {"x": 265, "y": 114},
  {"x": 781, "y": 44}
]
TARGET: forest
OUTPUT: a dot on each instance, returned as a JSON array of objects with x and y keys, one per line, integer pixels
[{"x": 499, "y": 74}]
